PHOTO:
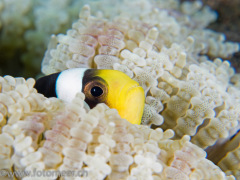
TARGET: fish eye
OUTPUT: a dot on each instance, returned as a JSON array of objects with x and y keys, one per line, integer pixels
[{"x": 96, "y": 91}]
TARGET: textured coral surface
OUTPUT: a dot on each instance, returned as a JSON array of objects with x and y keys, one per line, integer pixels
[{"x": 192, "y": 104}]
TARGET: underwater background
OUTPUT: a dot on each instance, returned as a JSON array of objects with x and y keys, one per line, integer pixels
[{"x": 16, "y": 37}]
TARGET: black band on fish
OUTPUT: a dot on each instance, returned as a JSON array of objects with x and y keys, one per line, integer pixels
[{"x": 46, "y": 85}]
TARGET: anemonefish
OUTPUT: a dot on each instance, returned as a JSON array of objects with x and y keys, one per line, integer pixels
[{"x": 111, "y": 87}]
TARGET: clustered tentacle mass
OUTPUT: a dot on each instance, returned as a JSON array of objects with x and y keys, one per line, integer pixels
[
  {"x": 165, "y": 47},
  {"x": 65, "y": 136}
]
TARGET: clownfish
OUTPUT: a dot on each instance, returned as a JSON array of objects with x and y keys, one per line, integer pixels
[{"x": 111, "y": 87}]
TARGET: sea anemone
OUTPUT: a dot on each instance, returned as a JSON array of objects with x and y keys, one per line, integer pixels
[{"x": 191, "y": 108}]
